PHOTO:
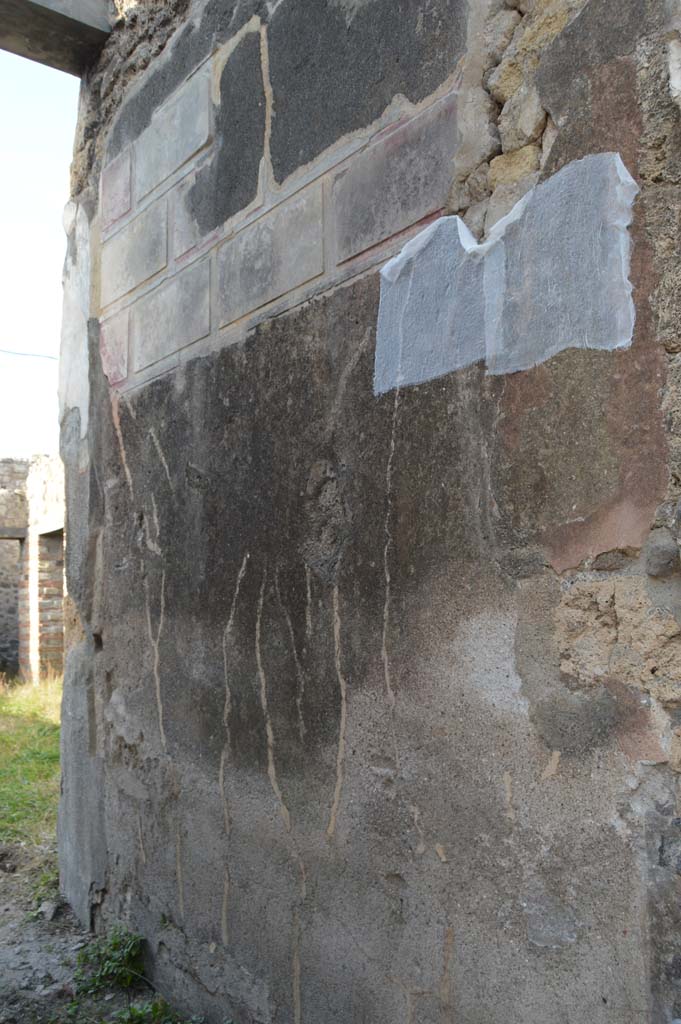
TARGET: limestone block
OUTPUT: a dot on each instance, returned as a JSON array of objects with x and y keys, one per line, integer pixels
[
  {"x": 476, "y": 216},
  {"x": 171, "y": 317},
  {"x": 113, "y": 347},
  {"x": 115, "y": 190},
  {"x": 498, "y": 34},
  {"x": 511, "y": 167},
  {"x": 521, "y": 58},
  {"x": 136, "y": 253},
  {"x": 522, "y": 119},
  {"x": 661, "y": 553},
  {"x": 277, "y": 253},
  {"x": 505, "y": 197},
  {"x": 477, "y": 131},
  {"x": 178, "y": 130},
  {"x": 399, "y": 180}
]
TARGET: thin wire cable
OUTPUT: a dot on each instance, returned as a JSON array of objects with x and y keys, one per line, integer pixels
[{"x": 27, "y": 355}]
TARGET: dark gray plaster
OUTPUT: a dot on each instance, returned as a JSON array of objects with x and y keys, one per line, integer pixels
[
  {"x": 332, "y": 74},
  {"x": 230, "y": 181}
]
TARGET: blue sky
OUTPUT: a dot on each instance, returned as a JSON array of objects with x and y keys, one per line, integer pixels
[{"x": 37, "y": 125}]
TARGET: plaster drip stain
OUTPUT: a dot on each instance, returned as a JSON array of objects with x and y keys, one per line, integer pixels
[{"x": 553, "y": 275}]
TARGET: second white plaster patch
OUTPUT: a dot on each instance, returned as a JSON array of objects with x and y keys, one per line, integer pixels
[{"x": 554, "y": 274}]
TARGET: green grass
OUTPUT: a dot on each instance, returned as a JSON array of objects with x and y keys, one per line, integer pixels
[{"x": 29, "y": 760}]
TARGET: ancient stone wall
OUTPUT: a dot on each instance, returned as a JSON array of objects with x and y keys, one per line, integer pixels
[
  {"x": 13, "y": 521},
  {"x": 41, "y": 592},
  {"x": 10, "y": 568},
  {"x": 375, "y": 715}
]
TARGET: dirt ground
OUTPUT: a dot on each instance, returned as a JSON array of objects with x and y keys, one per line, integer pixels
[{"x": 39, "y": 947}]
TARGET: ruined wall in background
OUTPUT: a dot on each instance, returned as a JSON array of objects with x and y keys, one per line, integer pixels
[
  {"x": 31, "y": 565},
  {"x": 13, "y": 517},
  {"x": 41, "y": 592},
  {"x": 376, "y": 712},
  {"x": 10, "y": 566}
]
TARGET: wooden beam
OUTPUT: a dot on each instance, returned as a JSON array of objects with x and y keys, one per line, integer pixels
[{"x": 64, "y": 34}]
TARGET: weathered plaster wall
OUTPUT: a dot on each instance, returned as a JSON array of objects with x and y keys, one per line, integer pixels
[{"x": 375, "y": 713}]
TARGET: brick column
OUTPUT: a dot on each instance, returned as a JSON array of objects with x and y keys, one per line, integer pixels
[{"x": 51, "y": 602}]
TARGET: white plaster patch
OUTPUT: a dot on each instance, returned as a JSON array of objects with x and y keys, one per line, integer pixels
[
  {"x": 74, "y": 385},
  {"x": 552, "y": 275}
]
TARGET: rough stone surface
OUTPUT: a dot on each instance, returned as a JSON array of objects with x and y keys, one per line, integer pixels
[
  {"x": 512, "y": 167},
  {"x": 662, "y": 553},
  {"x": 522, "y": 119}
]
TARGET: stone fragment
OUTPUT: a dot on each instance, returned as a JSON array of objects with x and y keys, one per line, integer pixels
[
  {"x": 113, "y": 347},
  {"x": 477, "y": 130},
  {"x": 498, "y": 34},
  {"x": 522, "y": 56},
  {"x": 548, "y": 138},
  {"x": 136, "y": 253},
  {"x": 473, "y": 190},
  {"x": 475, "y": 218},
  {"x": 522, "y": 119},
  {"x": 612, "y": 628},
  {"x": 178, "y": 130},
  {"x": 396, "y": 182},
  {"x": 504, "y": 198},
  {"x": 511, "y": 167},
  {"x": 115, "y": 190},
  {"x": 277, "y": 253},
  {"x": 48, "y": 909},
  {"x": 171, "y": 317},
  {"x": 661, "y": 553}
]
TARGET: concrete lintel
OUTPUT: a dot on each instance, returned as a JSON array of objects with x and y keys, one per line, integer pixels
[
  {"x": 12, "y": 533},
  {"x": 64, "y": 34}
]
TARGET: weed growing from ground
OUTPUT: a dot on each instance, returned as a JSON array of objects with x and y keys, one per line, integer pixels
[{"x": 110, "y": 961}]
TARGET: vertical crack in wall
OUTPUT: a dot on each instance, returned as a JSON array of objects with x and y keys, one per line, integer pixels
[
  {"x": 116, "y": 417},
  {"x": 269, "y": 732},
  {"x": 300, "y": 675},
  {"x": 388, "y": 541},
  {"x": 162, "y": 458},
  {"x": 224, "y": 756},
  {"x": 342, "y": 725},
  {"x": 155, "y": 640}
]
